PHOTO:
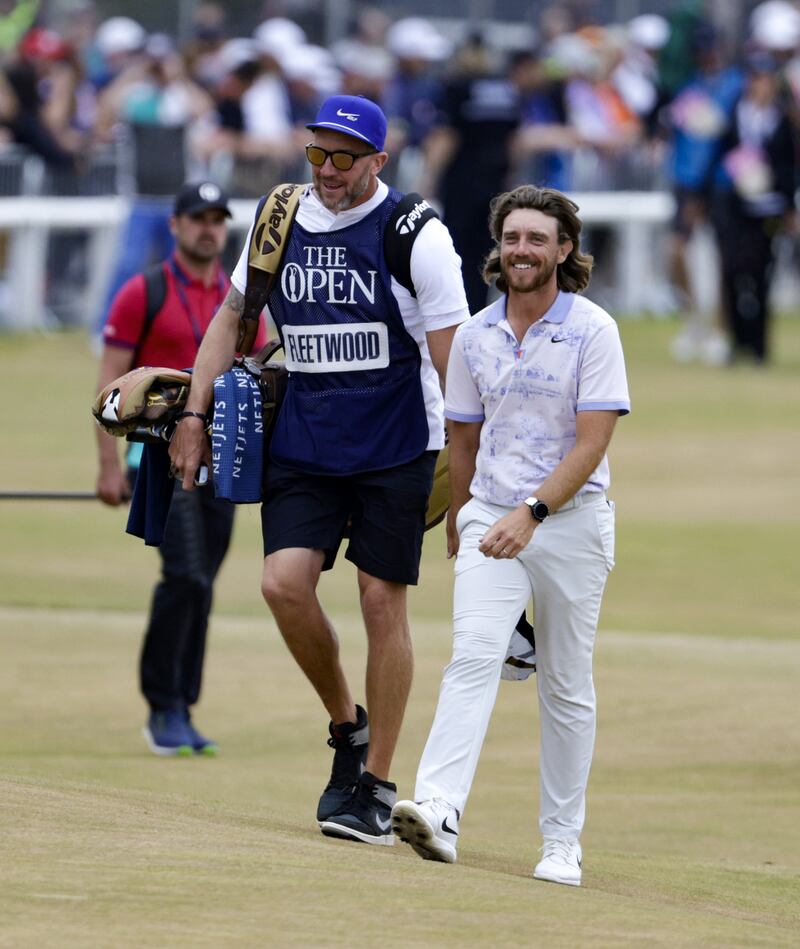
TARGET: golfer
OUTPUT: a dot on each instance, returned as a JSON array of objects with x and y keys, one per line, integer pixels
[{"x": 535, "y": 384}]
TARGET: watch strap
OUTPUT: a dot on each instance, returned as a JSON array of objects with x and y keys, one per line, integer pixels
[{"x": 539, "y": 509}]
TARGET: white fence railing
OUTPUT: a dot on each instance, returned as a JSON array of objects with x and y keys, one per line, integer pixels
[{"x": 637, "y": 219}]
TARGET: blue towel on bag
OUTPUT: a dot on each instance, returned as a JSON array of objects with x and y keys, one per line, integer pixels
[
  {"x": 237, "y": 437},
  {"x": 237, "y": 441}
]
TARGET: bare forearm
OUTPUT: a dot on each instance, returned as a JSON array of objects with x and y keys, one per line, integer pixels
[
  {"x": 594, "y": 432},
  {"x": 107, "y": 450},
  {"x": 439, "y": 343},
  {"x": 463, "y": 439},
  {"x": 112, "y": 483},
  {"x": 568, "y": 478},
  {"x": 189, "y": 447}
]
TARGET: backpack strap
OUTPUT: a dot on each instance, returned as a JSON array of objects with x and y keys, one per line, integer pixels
[
  {"x": 407, "y": 220},
  {"x": 155, "y": 293},
  {"x": 273, "y": 221}
]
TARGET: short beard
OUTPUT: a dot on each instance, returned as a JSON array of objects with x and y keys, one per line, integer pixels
[
  {"x": 200, "y": 257},
  {"x": 348, "y": 198},
  {"x": 542, "y": 279}
]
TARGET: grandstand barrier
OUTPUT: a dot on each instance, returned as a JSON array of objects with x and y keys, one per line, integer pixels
[{"x": 635, "y": 218}]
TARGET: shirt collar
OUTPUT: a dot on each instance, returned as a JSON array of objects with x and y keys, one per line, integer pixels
[
  {"x": 496, "y": 311},
  {"x": 556, "y": 314},
  {"x": 336, "y": 221}
]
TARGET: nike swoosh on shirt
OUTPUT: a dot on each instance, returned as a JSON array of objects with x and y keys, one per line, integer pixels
[{"x": 558, "y": 339}]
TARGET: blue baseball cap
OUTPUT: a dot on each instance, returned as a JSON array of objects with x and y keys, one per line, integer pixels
[{"x": 353, "y": 115}]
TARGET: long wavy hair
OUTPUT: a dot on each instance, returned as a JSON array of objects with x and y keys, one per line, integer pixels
[{"x": 573, "y": 275}]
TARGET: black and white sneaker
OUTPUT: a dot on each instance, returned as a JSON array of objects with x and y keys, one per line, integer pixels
[
  {"x": 430, "y": 827},
  {"x": 350, "y": 743},
  {"x": 367, "y": 817}
]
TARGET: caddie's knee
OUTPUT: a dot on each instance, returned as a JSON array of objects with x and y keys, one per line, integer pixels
[
  {"x": 381, "y": 598},
  {"x": 282, "y": 590}
]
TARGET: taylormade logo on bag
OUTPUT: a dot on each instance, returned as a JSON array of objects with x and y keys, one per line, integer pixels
[
  {"x": 352, "y": 347},
  {"x": 407, "y": 222},
  {"x": 326, "y": 277},
  {"x": 277, "y": 213}
]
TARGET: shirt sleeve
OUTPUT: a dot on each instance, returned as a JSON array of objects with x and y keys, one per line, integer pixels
[
  {"x": 602, "y": 382},
  {"x": 436, "y": 275},
  {"x": 126, "y": 316},
  {"x": 462, "y": 401}
]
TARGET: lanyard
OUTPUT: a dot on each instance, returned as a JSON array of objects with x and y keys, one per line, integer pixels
[{"x": 181, "y": 282}]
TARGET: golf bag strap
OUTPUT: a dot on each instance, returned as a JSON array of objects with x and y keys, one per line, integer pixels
[
  {"x": 273, "y": 221},
  {"x": 155, "y": 293}
]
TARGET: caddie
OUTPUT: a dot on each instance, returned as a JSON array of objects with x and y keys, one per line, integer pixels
[{"x": 366, "y": 341}]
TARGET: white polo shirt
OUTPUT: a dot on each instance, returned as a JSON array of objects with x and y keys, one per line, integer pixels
[
  {"x": 435, "y": 272},
  {"x": 528, "y": 395}
]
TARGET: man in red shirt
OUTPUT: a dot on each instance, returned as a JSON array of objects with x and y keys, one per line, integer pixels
[{"x": 198, "y": 529}]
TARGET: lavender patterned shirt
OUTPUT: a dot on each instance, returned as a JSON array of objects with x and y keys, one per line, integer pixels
[{"x": 528, "y": 395}]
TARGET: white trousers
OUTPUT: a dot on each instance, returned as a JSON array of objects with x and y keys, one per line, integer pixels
[{"x": 564, "y": 568}]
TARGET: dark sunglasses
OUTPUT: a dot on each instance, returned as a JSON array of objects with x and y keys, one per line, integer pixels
[{"x": 343, "y": 161}]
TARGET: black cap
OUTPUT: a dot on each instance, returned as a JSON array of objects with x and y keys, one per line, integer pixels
[{"x": 197, "y": 196}]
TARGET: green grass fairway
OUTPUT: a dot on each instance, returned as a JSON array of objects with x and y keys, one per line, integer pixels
[
  {"x": 693, "y": 829},
  {"x": 692, "y": 836}
]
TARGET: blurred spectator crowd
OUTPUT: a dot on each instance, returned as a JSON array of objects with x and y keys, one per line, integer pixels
[
  {"x": 586, "y": 107},
  {"x": 658, "y": 102}
]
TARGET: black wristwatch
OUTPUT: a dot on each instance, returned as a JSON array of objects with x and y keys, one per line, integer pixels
[{"x": 539, "y": 510}]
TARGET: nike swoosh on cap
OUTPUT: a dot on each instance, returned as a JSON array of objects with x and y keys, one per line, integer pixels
[{"x": 347, "y": 115}]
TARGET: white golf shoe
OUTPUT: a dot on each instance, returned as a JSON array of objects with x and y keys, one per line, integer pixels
[
  {"x": 430, "y": 827},
  {"x": 561, "y": 861}
]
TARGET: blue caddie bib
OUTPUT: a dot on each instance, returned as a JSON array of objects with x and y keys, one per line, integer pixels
[{"x": 354, "y": 401}]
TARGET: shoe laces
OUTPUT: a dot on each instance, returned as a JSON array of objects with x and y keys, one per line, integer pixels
[
  {"x": 441, "y": 807},
  {"x": 346, "y": 762},
  {"x": 441, "y": 810},
  {"x": 558, "y": 848}
]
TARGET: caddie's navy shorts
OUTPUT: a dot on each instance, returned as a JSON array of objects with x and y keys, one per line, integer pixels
[{"x": 382, "y": 513}]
